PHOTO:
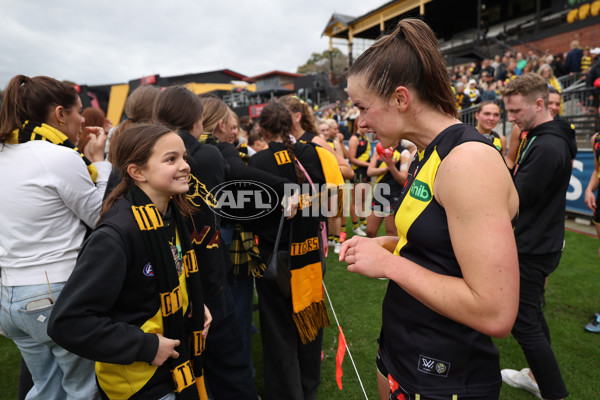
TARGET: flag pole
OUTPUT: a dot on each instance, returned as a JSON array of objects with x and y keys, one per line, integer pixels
[{"x": 347, "y": 348}]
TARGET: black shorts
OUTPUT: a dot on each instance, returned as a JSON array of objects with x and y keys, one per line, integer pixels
[
  {"x": 383, "y": 203},
  {"x": 360, "y": 175}
]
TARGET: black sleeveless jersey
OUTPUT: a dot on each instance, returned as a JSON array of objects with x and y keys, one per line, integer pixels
[
  {"x": 363, "y": 150},
  {"x": 424, "y": 351}
]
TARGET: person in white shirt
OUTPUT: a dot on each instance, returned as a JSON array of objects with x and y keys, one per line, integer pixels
[{"x": 51, "y": 194}]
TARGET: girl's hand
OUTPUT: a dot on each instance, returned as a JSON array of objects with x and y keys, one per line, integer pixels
[
  {"x": 166, "y": 349},
  {"x": 207, "y": 321}
]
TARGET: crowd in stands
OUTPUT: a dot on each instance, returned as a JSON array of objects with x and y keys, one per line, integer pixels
[{"x": 483, "y": 80}]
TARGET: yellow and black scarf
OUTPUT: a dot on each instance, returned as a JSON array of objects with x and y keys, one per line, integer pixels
[
  {"x": 333, "y": 176},
  {"x": 178, "y": 323},
  {"x": 40, "y": 131},
  {"x": 306, "y": 261},
  {"x": 244, "y": 253}
]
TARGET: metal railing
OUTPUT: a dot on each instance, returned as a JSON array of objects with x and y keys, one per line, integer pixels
[{"x": 570, "y": 79}]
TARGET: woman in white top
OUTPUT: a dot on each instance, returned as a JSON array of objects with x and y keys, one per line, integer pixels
[{"x": 51, "y": 194}]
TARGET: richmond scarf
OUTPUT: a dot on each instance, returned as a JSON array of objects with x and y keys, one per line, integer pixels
[
  {"x": 40, "y": 131},
  {"x": 187, "y": 369},
  {"x": 333, "y": 176},
  {"x": 244, "y": 253},
  {"x": 306, "y": 264}
]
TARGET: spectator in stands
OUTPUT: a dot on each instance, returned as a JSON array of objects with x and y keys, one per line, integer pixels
[
  {"x": 573, "y": 59},
  {"x": 490, "y": 92},
  {"x": 586, "y": 60},
  {"x": 462, "y": 100},
  {"x": 521, "y": 63},
  {"x": 472, "y": 92},
  {"x": 487, "y": 67},
  {"x": 496, "y": 63},
  {"x": 547, "y": 73},
  {"x": 558, "y": 65},
  {"x": 541, "y": 175},
  {"x": 500, "y": 74}
]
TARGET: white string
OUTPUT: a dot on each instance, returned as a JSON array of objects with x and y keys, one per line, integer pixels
[{"x": 347, "y": 348}]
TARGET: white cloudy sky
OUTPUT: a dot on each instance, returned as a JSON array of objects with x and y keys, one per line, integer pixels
[{"x": 98, "y": 42}]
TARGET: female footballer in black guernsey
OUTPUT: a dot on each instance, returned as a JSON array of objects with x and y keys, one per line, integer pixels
[{"x": 453, "y": 269}]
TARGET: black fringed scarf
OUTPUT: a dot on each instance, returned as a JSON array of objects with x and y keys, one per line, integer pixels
[
  {"x": 40, "y": 131},
  {"x": 186, "y": 370},
  {"x": 308, "y": 303}
]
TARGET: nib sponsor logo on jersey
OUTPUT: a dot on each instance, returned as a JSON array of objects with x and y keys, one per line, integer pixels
[
  {"x": 420, "y": 191},
  {"x": 433, "y": 366}
]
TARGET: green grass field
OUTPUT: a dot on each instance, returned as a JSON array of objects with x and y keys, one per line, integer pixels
[{"x": 571, "y": 299}]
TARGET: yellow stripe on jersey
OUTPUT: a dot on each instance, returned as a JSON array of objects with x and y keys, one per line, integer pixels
[{"x": 417, "y": 199}]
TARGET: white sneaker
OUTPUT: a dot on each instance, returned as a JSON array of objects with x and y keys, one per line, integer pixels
[
  {"x": 521, "y": 380},
  {"x": 359, "y": 232},
  {"x": 331, "y": 243},
  {"x": 337, "y": 247}
]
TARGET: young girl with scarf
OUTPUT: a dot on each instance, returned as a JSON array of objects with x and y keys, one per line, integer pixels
[
  {"x": 51, "y": 194},
  {"x": 134, "y": 302},
  {"x": 292, "y": 326}
]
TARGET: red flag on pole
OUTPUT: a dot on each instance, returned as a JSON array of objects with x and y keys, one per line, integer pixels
[{"x": 339, "y": 358}]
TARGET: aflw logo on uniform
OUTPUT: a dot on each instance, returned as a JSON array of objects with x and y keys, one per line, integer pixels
[{"x": 433, "y": 366}]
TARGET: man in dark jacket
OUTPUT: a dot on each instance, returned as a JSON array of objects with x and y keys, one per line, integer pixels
[
  {"x": 541, "y": 174},
  {"x": 590, "y": 82}
]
